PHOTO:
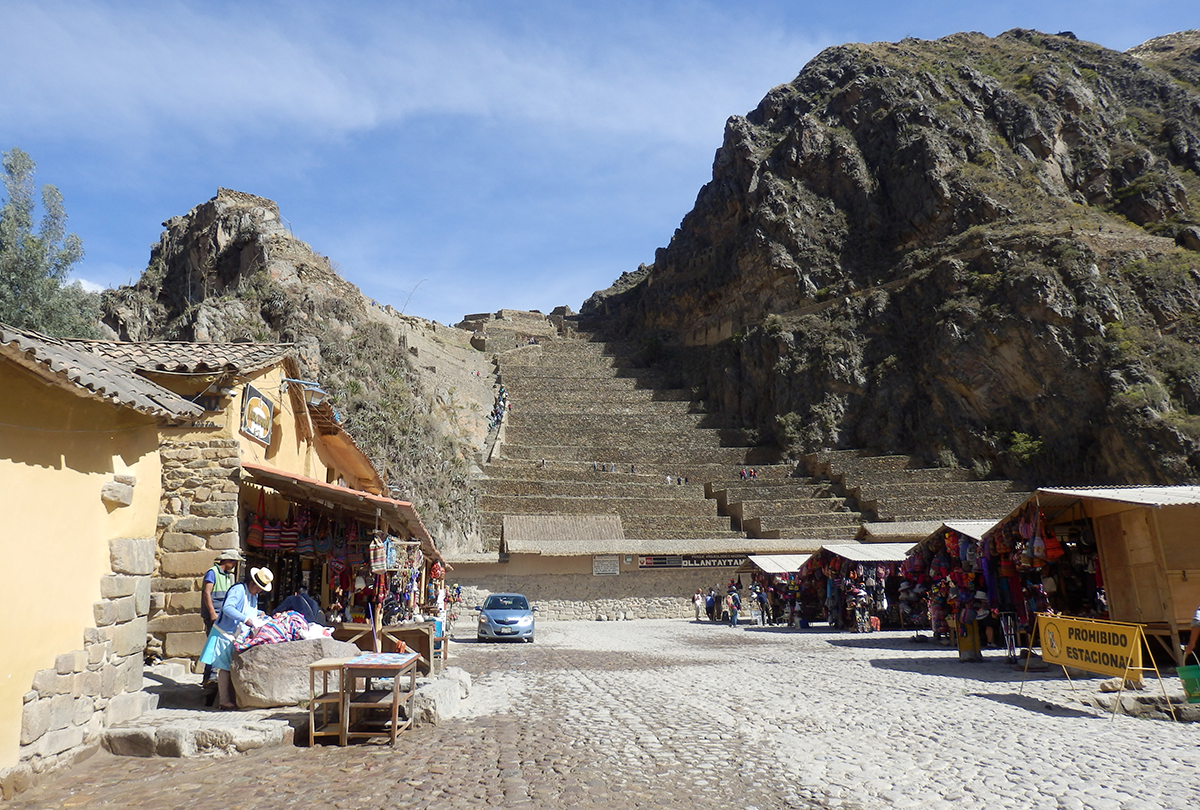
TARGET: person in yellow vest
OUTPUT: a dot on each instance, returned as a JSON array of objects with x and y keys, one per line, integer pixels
[{"x": 217, "y": 582}]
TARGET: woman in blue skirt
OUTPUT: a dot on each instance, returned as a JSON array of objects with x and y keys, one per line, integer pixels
[{"x": 241, "y": 607}]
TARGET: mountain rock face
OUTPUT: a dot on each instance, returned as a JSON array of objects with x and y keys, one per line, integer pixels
[
  {"x": 979, "y": 250},
  {"x": 413, "y": 394}
]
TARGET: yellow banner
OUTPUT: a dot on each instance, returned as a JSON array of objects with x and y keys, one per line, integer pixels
[{"x": 1107, "y": 648}]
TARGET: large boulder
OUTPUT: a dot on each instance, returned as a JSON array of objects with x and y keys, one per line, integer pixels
[
  {"x": 277, "y": 674},
  {"x": 441, "y": 699}
]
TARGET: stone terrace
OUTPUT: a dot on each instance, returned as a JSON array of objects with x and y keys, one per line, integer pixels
[
  {"x": 897, "y": 487},
  {"x": 591, "y": 432}
]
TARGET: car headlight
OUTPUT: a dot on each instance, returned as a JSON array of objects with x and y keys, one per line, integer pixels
[
  {"x": 483, "y": 619},
  {"x": 525, "y": 621}
]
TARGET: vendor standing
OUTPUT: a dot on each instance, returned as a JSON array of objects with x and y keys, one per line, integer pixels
[
  {"x": 241, "y": 607},
  {"x": 217, "y": 582}
]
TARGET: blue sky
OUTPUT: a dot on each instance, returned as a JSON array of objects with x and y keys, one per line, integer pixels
[{"x": 450, "y": 157}]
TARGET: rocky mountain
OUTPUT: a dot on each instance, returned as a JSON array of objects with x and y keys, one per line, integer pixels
[
  {"x": 979, "y": 250},
  {"x": 413, "y": 394}
]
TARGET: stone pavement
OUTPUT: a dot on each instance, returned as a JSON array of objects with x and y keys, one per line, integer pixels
[{"x": 671, "y": 713}]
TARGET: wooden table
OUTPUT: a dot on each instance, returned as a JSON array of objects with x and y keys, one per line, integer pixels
[
  {"x": 359, "y": 706},
  {"x": 326, "y": 699},
  {"x": 417, "y": 637}
]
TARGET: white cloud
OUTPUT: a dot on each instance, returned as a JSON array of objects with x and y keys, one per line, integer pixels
[
  {"x": 220, "y": 71},
  {"x": 90, "y": 286}
]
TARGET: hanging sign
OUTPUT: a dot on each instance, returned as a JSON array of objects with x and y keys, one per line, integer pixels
[
  {"x": 1106, "y": 648},
  {"x": 258, "y": 415}
]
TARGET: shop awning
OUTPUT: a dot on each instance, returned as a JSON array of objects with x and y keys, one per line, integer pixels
[
  {"x": 870, "y": 552},
  {"x": 1140, "y": 496},
  {"x": 1056, "y": 500},
  {"x": 362, "y": 505},
  {"x": 975, "y": 529},
  {"x": 779, "y": 563}
]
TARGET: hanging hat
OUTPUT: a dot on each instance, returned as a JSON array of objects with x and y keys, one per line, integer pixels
[
  {"x": 262, "y": 577},
  {"x": 982, "y": 595},
  {"x": 230, "y": 554},
  {"x": 904, "y": 586}
]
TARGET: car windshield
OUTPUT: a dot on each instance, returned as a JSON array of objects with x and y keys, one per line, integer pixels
[{"x": 495, "y": 602}]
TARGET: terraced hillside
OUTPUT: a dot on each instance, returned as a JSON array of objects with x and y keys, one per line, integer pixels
[{"x": 592, "y": 431}]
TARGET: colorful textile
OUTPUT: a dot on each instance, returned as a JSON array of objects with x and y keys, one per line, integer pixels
[{"x": 281, "y": 627}]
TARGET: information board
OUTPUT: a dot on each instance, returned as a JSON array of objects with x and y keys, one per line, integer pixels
[
  {"x": 606, "y": 565},
  {"x": 1106, "y": 648}
]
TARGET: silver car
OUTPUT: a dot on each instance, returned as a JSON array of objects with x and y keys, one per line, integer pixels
[{"x": 505, "y": 616}]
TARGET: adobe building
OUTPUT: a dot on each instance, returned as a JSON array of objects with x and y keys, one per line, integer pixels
[
  {"x": 126, "y": 468},
  {"x": 81, "y": 486}
]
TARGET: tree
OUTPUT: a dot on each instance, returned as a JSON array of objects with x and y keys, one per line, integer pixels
[{"x": 34, "y": 293}]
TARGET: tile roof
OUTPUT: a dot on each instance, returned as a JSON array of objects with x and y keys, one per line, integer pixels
[
  {"x": 63, "y": 362},
  {"x": 179, "y": 357}
]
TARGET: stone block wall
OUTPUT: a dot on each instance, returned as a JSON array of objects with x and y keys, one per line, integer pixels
[
  {"x": 649, "y": 594},
  {"x": 96, "y": 686},
  {"x": 198, "y": 519}
]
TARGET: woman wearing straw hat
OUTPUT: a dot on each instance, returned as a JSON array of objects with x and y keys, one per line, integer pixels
[{"x": 241, "y": 607}]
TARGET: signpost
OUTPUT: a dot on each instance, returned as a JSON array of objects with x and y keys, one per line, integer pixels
[{"x": 1093, "y": 645}]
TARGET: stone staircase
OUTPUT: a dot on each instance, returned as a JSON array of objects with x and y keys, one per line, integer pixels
[{"x": 591, "y": 432}]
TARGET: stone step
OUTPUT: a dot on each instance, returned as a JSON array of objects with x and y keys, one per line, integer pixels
[
  {"x": 588, "y": 406},
  {"x": 906, "y": 476},
  {"x": 798, "y": 523},
  {"x": 823, "y": 533},
  {"x": 641, "y": 527},
  {"x": 661, "y": 527},
  {"x": 951, "y": 507},
  {"x": 745, "y": 510},
  {"x": 869, "y": 490},
  {"x": 857, "y": 463},
  {"x": 643, "y": 473},
  {"x": 544, "y": 398},
  {"x": 565, "y": 505},
  {"x": 660, "y": 442},
  {"x": 607, "y": 420},
  {"x": 770, "y": 489},
  {"x": 545, "y": 359},
  {"x": 547, "y": 386},
  {"x": 650, "y": 488},
  {"x": 638, "y": 455},
  {"x": 513, "y": 375}
]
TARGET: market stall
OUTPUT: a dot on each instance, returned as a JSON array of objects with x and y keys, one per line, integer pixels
[
  {"x": 776, "y": 576},
  {"x": 941, "y": 576},
  {"x": 1128, "y": 554},
  {"x": 854, "y": 586},
  {"x": 366, "y": 559}
]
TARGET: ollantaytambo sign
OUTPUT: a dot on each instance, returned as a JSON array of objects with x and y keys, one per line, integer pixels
[
  {"x": 1107, "y": 648},
  {"x": 258, "y": 414},
  {"x": 691, "y": 561}
]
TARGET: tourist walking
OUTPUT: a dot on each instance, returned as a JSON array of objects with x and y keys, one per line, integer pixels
[
  {"x": 733, "y": 603},
  {"x": 698, "y": 602},
  {"x": 760, "y": 594},
  {"x": 710, "y": 604}
]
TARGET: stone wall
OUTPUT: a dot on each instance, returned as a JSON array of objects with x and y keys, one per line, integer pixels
[
  {"x": 644, "y": 594},
  {"x": 96, "y": 686},
  {"x": 198, "y": 518}
]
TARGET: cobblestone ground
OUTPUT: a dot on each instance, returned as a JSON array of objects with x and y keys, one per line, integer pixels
[{"x": 672, "y": 714}]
